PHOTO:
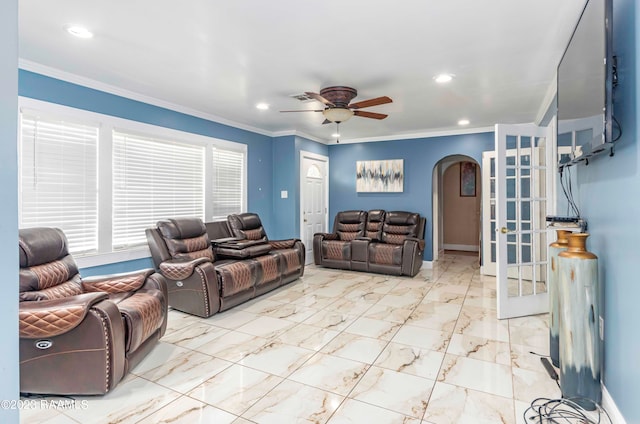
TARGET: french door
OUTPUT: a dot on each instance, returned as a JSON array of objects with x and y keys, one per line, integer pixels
[{"x": 524, "y": 167}]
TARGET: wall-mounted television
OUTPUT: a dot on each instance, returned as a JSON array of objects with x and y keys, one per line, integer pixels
[{"x": 585, "y": 84}]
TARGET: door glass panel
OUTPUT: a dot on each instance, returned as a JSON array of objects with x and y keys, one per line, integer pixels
[
  {"x": 525, "y": 211},
  {"x": 525, "y": 187},
  {"x": 511, "y": 188},
  {"x": 527, "y": 280},
  {"x": 511, "y": 210},
  {"x": 512, "y": 142},
  {"x": 512, "y": 251},
  {"x": 525, "y": 142}
]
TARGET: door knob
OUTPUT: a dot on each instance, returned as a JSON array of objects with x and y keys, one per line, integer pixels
[{"x": 505, "y": 230}]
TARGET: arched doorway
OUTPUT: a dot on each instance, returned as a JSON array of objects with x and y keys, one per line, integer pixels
[{"x": 457, "y": 194}]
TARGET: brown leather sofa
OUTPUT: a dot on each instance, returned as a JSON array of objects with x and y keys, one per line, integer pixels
[
  {"x": 374, "y": 241},
  {"x": 214, "y": 266},
  {"x": 81, "y": 335}
]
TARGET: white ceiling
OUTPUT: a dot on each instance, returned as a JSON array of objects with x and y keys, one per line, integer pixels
[{"x": 219, "y": 58}]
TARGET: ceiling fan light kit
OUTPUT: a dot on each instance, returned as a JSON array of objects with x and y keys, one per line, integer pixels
[{"x": 337, "y": 114}]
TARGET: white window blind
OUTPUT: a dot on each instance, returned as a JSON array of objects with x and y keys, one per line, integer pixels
[
  {"x": 58, "y": 179},
  {"x": 153, "y": 179},
  {"x": 228, "y": 182}
]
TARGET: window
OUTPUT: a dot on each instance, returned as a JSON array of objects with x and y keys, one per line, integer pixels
[
  {"x": 153, "y": 179},
  {"x": 104, "y": 180},
  {"x": 228, "y": 183},
  {"x": 58, "y": 178}
]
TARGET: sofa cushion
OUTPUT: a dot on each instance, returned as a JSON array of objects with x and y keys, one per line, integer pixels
[
  {"x": 385, "y": 254},
  {"x": 336, "y": 250},
  {"x": 236, "y": 277}
]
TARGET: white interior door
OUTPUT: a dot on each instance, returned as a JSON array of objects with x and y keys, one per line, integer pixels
[
  {"x": 524, "y": 168},
  {"x": 314, "y": 171}
]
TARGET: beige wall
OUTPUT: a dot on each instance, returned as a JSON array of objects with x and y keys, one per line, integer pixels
[{"x": 461, "y": 220}]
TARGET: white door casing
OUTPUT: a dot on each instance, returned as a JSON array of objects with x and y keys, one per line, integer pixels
[
  {"x": 524, "y": 167},
  {"x": 314, "y": 198}
]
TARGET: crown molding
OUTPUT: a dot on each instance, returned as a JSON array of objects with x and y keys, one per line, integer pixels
[
  {"x": 132, "y": 95},
  {"x": 426, "y": 134}
]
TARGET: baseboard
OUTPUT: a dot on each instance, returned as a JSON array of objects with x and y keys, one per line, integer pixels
[
  {"x": 462, "y": 247},
  {"x": 612, "y": 409},
  {"x": 426, "y": 265}
]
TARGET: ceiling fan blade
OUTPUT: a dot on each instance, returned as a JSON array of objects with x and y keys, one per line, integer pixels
[
  {"x": 319, "y": 98},
  {"x": 372, "y": 115},
  {"x": 371, "y": 102},
  {"x": 326, "y": 121},
  {"x": 303, "y": 110}
]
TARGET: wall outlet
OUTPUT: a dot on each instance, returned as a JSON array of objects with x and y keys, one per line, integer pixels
[{"x": 601, "y": 328}]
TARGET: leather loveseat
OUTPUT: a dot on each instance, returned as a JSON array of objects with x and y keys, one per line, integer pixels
[
  {"x": 214, "y": 266},
  {"x": 80, "y": 336},
  {"x": 374, "y": 241}
]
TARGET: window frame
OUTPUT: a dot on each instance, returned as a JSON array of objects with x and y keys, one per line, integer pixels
[{"x": 107, "y": 125}]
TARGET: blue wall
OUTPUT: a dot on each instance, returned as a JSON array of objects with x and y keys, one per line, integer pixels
[
  {"x": 286, "y": 176},
  {"x": 9, "y": 370},
  {"x": 420, "y": 157},
  {"x": 608, "y": 196},
  {"x": 48, "y": 89}
]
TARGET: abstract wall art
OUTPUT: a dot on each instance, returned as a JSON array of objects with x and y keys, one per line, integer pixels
[{"x": 375, "y": 176}]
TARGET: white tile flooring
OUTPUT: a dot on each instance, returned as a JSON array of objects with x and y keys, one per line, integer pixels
[{"x": 338, "y": 347}]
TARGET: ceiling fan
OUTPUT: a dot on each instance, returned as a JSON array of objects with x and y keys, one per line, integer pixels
[{"x": 337, "y": 107}]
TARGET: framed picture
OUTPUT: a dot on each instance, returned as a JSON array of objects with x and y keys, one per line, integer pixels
[
  {"x": 467, "y": 179},
  {"x": 380, "y": 176}
]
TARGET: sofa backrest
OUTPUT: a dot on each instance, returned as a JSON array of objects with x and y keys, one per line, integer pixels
[
  {"x": 47, "y": 270},
  {"x": 398, "y": 225},
  {"x": 247, "y": 226},
  {"x": 350, "y": 224},
  {"x": 185, "y": 238},
  {"x": 375, "y": 220}
]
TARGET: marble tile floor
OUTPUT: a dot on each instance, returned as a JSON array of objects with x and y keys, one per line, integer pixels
[{"x": 338, "y": 347}]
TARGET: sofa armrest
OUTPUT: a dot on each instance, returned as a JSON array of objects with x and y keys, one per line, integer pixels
[
  {"x": 417, "y": 240},
  {"x": 215, "y": 242},
  {"x": 327, "y": 236},
  {"x": 49, "y": 318},
  {"x": 179, "y": 269},
  {"x": 117, "y": 283},
  {"x": 283, "y": 244}
]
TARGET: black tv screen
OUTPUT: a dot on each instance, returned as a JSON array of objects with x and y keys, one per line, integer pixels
[{"x": 585, "y": 76}]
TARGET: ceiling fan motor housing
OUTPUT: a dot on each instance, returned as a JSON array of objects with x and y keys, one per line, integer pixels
[{"x": 338, "y": 95}]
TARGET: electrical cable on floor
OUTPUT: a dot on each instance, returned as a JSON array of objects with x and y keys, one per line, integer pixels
[{"x": 545, "y": 410}]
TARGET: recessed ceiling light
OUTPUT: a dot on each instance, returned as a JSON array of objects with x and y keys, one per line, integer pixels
[
  {"x": 443, "y": 78},
  {"x": 78, "y": 31},
  {"x": 262, "y": 106},
  {"x": 336, "y": 135},
  {"x": 463, "y": 122}
]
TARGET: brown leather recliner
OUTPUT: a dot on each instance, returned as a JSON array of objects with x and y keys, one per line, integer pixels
[
  {"x": 374, "y": 241},
  {"x": 334, "y": 249},
  {"x": 181, "y": 250},
  {"x": 400, "y": 247},
  {"x": 81, "y": 336}
]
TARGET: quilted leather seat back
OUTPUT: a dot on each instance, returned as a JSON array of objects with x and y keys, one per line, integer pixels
[
  {"x": 399, "y": 225},
  {"x": 247, "y": 226},
  {"x": 47, "y": 270},
  {"x": 375, "y": 221},
  {"x": 350, "y": 224},
  {"x": 186, "y": 238}
]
